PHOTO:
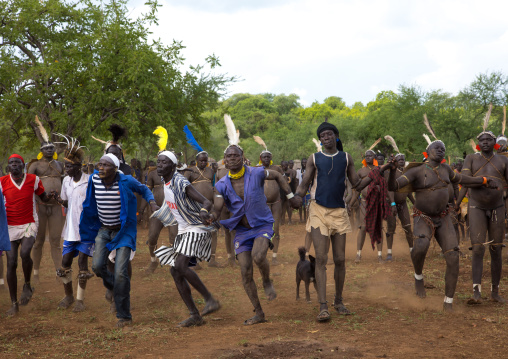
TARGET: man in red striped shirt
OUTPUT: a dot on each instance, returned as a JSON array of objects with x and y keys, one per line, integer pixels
[{"x": 18, "y": 190}]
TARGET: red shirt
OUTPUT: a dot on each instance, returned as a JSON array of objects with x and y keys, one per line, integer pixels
[{"x": 20, "y": 201}]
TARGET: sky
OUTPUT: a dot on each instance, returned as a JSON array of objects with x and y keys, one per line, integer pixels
[{"x": 348, "y": 48}]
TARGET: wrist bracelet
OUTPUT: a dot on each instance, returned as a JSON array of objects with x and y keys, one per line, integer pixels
[
  {"x": 394, "y": 204},
  {"x": 203, "y": 209},
  {"x": 484, "y": 180},
  {"x": 290, "y": 195}
]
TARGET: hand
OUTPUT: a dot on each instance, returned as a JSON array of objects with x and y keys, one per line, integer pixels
[
  {"x": 206, "y": 217},
  {"x": 154, "y": 206},
  {"x": 296, "y": 201},
  {"x": 54, "y": 195},
  {"x": 491, "y": 183}
]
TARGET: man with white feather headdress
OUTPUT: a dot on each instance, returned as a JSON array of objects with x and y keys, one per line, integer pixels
[
  {"x": 486, "y": 210},
  {"x": 431, "y": 212},
  {"x": 50, "y": 214}
]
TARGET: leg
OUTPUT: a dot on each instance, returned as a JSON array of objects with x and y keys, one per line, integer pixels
[
  {"x": 259, "y": 251},
  {"x": 405, "y": 221},
  {"x": 360, "y": 237},
  {"x": 321, "y": 246},
  {"x": 245, "y": 261},
  {"x": 66, "y": 274},
  {"x": 391, "y": 224},
  {"x": 496, "y": 234},
  {"x": 339, "y": 274},
  {"x": 12, "y": 280},
  {"x": 100, "y": 258},
  {"x": 55, "y": 226},
  {"x": 276, "y": 212},
  {"x": 289, "y": 209},
  {"x": 122, "y": 286},
  {"x": 308, "y": 243},
  {"x": 478, "y": 229},
  {"x": 228, "y": 238},
  {"x": 423, "y": 234},
  {"x": 27, "y": 264},
  {"x": 154, "y": 229},
  {"x": 447, "y": 239},
  {"x": 178, "y": 273},
  {"x": 83, "y": 277},
  {"x": 213, "y": 262},
  {"x": 40, "y": 239},
  {"x": 282, "y": 217}
]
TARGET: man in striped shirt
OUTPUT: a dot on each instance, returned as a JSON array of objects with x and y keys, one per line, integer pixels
[{"x": 109, "y": 218}]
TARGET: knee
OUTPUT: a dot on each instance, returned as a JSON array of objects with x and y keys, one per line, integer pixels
[
  {"x": 246, "y": 274},
  {"x": 55, "y": 242},
  {"x": 340, "y": 261},
  {"x": 258, "y": 258},
  {"x": 25, "y": 255},
  {"x": 321, "y": 259},
  {"x": 478, "y": 250},
  {"x": 452, "y": 258},
  {"x": 12, "y": 265}
]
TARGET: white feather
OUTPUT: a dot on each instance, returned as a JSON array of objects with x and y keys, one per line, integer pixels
[
  {"x": 233, "y": 134},
  {"x": 427, "y": 138},
  {"x": 42, "y": 130},
  {"x": 318, "y": 145}
]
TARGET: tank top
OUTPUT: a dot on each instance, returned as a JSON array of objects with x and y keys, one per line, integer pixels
[{"x": 329, "y": 185}]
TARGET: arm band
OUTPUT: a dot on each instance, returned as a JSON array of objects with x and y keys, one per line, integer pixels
[
  {"x": 484, "y": 181},
  {"x": 290, "y": 195},
  {"x": 203, "y": 210},
  {"x": 393, "y": 204}
]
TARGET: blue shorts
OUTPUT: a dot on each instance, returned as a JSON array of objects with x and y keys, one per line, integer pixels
[
  {"x": 76, "y": 247},
  {"x": 244, "y": 238}
]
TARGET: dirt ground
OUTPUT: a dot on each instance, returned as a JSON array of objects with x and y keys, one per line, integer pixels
[{"x": 389, "y": 321}]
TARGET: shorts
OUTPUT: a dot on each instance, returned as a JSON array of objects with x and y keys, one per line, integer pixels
[
  {"x": 329, "y": 221},
  {"x": 77, "y": 246},
  {"x": 244, "y": 237}
]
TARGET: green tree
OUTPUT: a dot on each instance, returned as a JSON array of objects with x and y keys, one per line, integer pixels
[{"x": 81, "y": 66}]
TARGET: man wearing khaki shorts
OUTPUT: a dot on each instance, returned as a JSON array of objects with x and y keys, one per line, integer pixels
[{"x": 328, "y": 219}]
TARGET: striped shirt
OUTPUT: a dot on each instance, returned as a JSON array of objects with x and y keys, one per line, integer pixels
[{"x": 108, "y": 202}]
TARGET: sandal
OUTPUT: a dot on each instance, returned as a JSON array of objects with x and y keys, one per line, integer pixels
[
  {"x": 341, "y": 309},
  {"x": 323, "y": 316},
  {"x": 255, "y": 320},
  {"x": 193, "y": 321}
]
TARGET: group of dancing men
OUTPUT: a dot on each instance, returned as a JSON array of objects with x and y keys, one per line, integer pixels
[{"x": 99, "y": 208}]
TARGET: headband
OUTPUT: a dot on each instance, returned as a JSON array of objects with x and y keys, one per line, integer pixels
[
  {"x": 169, "y": 155},
  {"x": 111, "y": 158}
]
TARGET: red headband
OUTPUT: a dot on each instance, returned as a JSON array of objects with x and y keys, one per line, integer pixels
[{"x": 17, "y": 156}]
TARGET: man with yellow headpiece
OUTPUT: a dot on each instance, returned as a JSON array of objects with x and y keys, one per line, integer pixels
[{"x": 50, "y": 214}]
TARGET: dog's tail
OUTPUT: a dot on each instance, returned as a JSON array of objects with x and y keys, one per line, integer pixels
[{"x": 301, "y": 252}]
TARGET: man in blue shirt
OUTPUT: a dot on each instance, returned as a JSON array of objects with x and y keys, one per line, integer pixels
[
  {"x": 242, "y": 191},
  {"x": 109, "y": 218}
]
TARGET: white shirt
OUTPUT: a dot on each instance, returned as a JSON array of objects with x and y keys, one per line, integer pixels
[
  {"x": 183, "y": 226},
  {"x": 75, "y": 194}
]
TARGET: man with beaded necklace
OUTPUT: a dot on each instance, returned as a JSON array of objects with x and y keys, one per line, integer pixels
[{"x": 242, "y": 191}]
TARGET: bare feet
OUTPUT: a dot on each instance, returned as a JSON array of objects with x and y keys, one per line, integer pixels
[
  {"x": 66, "y": 302},
  {"x": 26, "y": 295},
  {"x": 275, "y": 262},
  {"x": 36, "y": 279},
  {"x": 232, "y": 262},
  {"x": 257, "y": 319},
  {"x": 211, "y": 306},
  {"x": 13, "y": 311},
  {"x": 420, "y": 288},
  {"x": 270, "y": 291},
  {"x": 380, "y": 259},
  {"x": 358, "y": 258},
  {"x": 151, "y": 268},
  {"x": 112, "y": 308},
  {"x": 79, "y": 306},
  {"x": 193, "y": 321}
]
